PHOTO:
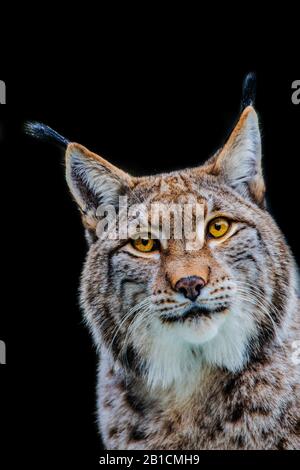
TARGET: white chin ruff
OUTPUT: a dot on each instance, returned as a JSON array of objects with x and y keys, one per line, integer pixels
[{"x": 177, "y": 353}]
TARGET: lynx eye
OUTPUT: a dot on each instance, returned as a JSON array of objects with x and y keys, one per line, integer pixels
[
  {"x": 218, "y": 227},
  {"x": 145, "y": 245}
]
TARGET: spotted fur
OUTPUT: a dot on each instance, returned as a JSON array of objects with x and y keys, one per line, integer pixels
[{"x": 226, "y": 379}]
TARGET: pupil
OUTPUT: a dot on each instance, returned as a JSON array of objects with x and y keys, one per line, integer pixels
[
  {"x": 218, "y": 227},
  {"x": 145, "y": 242}
]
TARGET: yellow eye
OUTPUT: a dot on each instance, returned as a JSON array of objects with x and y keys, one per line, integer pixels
[
  {"x": 145, "y": 245},
  {"x": 218, "y": 227}
]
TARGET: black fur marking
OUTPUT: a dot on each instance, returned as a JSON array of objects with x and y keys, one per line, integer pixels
[
  {"x": 107, "y": 324},
  {"x": 135, "y": 403},
  {"x": 244, "y": 258},
  {"x": 42, "y": 132},
  {"x": 112, "y": 432},
  {"x": 281, "y": 444},
  {"x": 249, "y": 91},
  {"x": 230, "y": 386},
  {"x": 279, "y": 298},
  {"x": 194, "y": 312},
  {"x": 237, "y": 414},
  {"x": 260, "y": 410},
  {"x": 239, "y": 230},
  {"x": 216, "y": 429},
  {"x": 136, "y": 434},
  {"x": 129, "y": 359},
  {"x": 238, "y": 441}
]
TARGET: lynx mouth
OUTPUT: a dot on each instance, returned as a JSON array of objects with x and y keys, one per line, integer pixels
[{"x": 193, "y": 313}]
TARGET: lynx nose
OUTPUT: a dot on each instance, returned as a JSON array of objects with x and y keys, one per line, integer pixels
[{"x": 190, "y": 286}]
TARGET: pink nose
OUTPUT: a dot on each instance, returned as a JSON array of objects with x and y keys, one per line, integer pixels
[{"x": 190, "y": 286}]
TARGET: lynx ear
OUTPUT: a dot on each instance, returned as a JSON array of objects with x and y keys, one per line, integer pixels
[
  {"x": 93, "y": 181},
  {"x": 238, "y": 164}
]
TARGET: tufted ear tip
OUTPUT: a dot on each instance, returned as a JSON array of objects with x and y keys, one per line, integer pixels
[
  {"x": 248, "y": 91},
  {"x": 43, "y": 132}
]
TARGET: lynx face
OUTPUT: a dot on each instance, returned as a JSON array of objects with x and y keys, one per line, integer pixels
[{"x": 165, "y": 311}]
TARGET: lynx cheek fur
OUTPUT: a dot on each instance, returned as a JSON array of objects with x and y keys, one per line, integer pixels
[{"x": 222, "y": 378}]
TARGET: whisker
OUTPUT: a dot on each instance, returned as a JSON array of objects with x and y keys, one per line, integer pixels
[
  {"x": 258, "y": 303},
  {"x": 128, "y": 314}
]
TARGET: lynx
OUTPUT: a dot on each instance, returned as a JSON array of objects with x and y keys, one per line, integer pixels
[{"x": 195, "y": 347}]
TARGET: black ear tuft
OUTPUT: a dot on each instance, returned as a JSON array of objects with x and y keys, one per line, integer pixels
[
  {"x": 249, "y": 90},
  {"x": 45, "y": 133}
]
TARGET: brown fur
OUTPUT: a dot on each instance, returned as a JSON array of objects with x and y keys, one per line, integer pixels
[{"x": 161, "y": 384}]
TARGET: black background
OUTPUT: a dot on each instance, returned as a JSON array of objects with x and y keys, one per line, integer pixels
[{"x": 145, "y": 113}]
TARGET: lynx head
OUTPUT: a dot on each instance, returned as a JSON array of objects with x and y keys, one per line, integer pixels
[{"x": 162, "y": 310}]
